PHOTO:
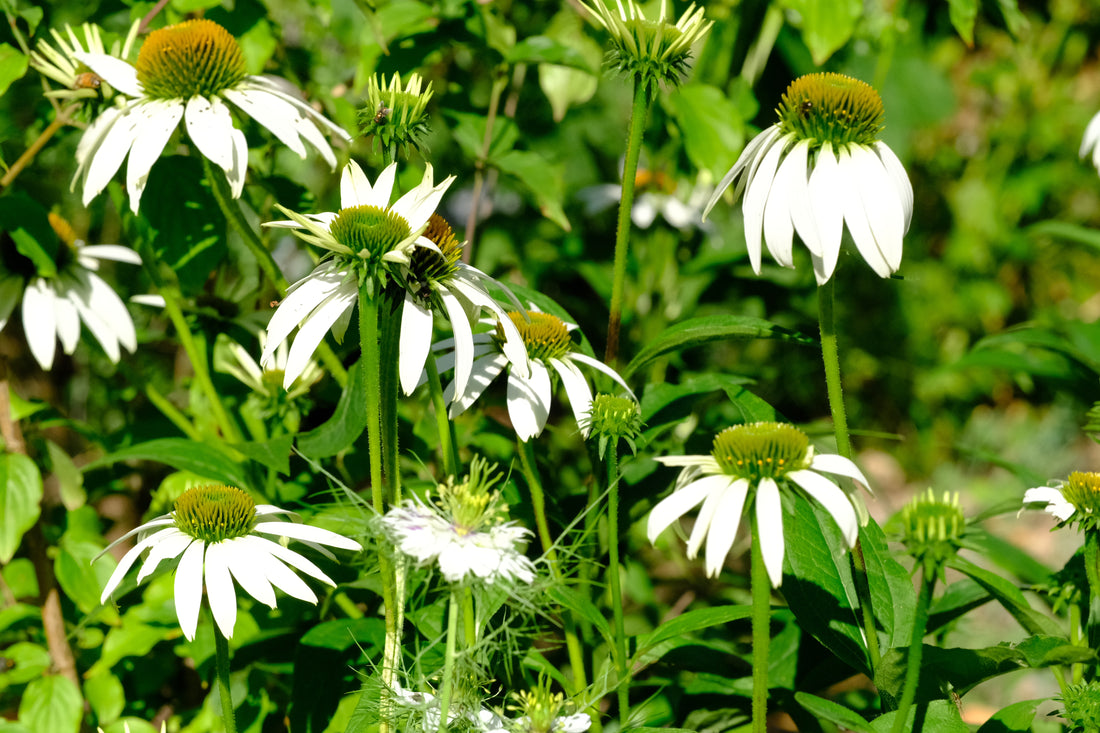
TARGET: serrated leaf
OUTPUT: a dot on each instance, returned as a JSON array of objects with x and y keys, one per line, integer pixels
[
  {"x": 832, "y": 712},
  {"x": 708, "y": 329},
  {"x": 347, "y": 423},
  {"x": 545, "y": 180},
  {"x": 51, "y": 704},
  {"x": 20, "y": 494},
  {"x": 186, "y": 455}
]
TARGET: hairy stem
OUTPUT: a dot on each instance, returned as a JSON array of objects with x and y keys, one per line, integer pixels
[
  {"x": 761, "y": 631},
  {"x": 623, "y": 689},
  {"x": 221, "y": 653},
  {"x": 916, "y": 651},
  {"x": 449, "y": 662}
]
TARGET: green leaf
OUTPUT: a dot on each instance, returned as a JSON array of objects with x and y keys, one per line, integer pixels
[
  {"x": 106, "y": 696},
  {"x": 579, "y": 604},
  {"x": 69, "y": 478},
  {"x": 80, "y": 578},
  {"x": 892, "y": 594},
  {"x": 752, "y": 407},
  {"x": 28, "y": 225},
  {"x": 941, "y": 716},
  {"x": 346, "y": 633},
  {"x": 565, "y": 87},
  {"x": 817, "y": 581},
  {"x": 51, "y": 705},
  {"x": 347, "y": 423},
  {"x": 186, "y": 455},
  {"x": 705, "y": 330},
  {"x": 13, "y": 65},
  {"x": 546, "y": 50},
  {"x": 660, "y": 397},
  {"x": 188, "y": 227},
  {"x": 27, "y": 662},
  {"x": 545, "y": 180},
  {"x": 469, "y": 133},
  {"x": 826, "y": 24},
  {"x": 21, "y": 408},
  {"x": 832, "y": 712},
  {"x": 674, "y": 633},
  {"x": 711, "y": 126},
  {"x": 1006, "y": 555},
  {"x": 274, "y": 453},
  {"x": 963, "y": 13},
  {"x": 21, "y": 579},
  {"x": 1009, "y": 596},
  {"x": 131, "y": 639},
  {"x": 1016, "y": 718},
  {"x": 20, "y": 494}
]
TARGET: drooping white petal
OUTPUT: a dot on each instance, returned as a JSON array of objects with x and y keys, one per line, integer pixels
[
  {"x": 110, "y": 151},
  {"x": 103, "y": 301},
  {"x": 900, "y": 179},
  {"x": 603, "y": 368},
  {"x": 68, "y": 322},
  {"x": 164, "y": 520},
  {"x": 294, "y": 559},
  {"x": 769, "y": 528},
  {"x": 778, "y": 211},
  {"x": 856, "y": 213},
  {"x": 246, "y": 566},
  {"x": 483, "y": 372},
  {"x": 797, "y": 182},
  {"x": 1056, "y": 504},
  {"x": 745, "y": 161},
  {"x": 834, "y": 500},
  {"x": 40, "y": 321},
  {"x": 188, "y": 588},
  {"x": 220, "y": 593},
  {"x": 703, "y": 522},
  {"x": 680, "y": 502},
  {"x": 302, "y": 299},
  {"x": 839, "y": 465},
  {"x": 529, "y": 401},
  {"x": 168, "y": 543},
  {"x": 881, "y": 204},
  {"x": 236, "y": 172},
  {"x": 275, "y": 114},
  {"x": 827, "y": 209},
  {"x": 1092, "y": 136},
  {"x": 313, "y": 330},
  {"x": 723, "y": 528},
  {"x": 415, "y": 342},
  {"x": 576, "y": 389},
  {"x": 210, "y": 127},
  {"x": 115, "y": 252},
  {"x": 90, "y": 142},
  {"x": 463, "y": 335},
  {"x": 313, "y": 136},
  {"x": 756, "y": 197},
  {"x": 128, "y": 560},
  {"x": 158, "y": 119},
  {"x": 307, "y": 533}
]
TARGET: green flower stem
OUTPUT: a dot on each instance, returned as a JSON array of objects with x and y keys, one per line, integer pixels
[
  {"x": 613, "y": 539},
  {"x": 449, "y": 662},
  {"x": 235, "y": 216},
  {"x": 446, "y": 428},
  {"x": 1092, "y": 573},
  {"x": 916, "y": 650},
  {"x": 173, "y": 413},
  {"x": 221, "y": 653},
  {"x": 761, "y": 631},
  {"x": 1076, "y": 638},
  {"x": 371, "y": 353},
  {"x": 389, "y": 383},
  {"x": 830, "y": 353},
  {"x": 196, "y": 353},
  {"x": 469, "y": 620},
  {"x": 569, "y": 622},
  {"x": 638, "y": 113}
]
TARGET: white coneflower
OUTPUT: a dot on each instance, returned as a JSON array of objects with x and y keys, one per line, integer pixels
[
  {"x": 748, "y": 468},
  {"x": 819, "y": 168},
  {"x": 188, "y": 72}
]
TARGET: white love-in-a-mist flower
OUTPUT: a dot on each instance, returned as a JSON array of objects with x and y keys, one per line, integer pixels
[
  {"x": 819, "y": 168},
  {"x": 549, "y": 347},
  {"x": 188, "y": 72},
  {"x": 54, "y": 305},
  {"x": 368, "y": 239},
  {"x": 748, "y": 468},
  {"x": 219, "y": 535},
  {"x": 463, "y": 529},
  {"x": 1077, "y": 499}
]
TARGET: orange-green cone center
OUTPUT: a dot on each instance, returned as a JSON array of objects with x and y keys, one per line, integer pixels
[
  {"x": 426, "y": 266},
  {"x": 545, "y": 336},
  {"x": 195, "y": 57},
  {"x": 834, "y": 108},
  {"x": 214, "y": 512},
  {"x": 1082, "y": 490},
  {"x": 761, "y": 450},
  {"x": 369, "y": 231}
]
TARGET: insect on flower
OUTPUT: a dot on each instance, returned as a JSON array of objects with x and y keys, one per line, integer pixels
[{"x": 87, "y": 80}]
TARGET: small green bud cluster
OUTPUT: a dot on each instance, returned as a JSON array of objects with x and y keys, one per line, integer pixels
[
  {"x": 932, "y": 529},
  {"x": 612, "y": 419}
]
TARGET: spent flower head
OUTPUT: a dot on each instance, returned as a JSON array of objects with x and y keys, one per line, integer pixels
[
  {"x": 652, "y": 52},
  {"x": 218, "y": 534},
  {"x": 748, "y": 469},
  {"x": 396, "y": 115},
  {"x": 188, "y": 71},
  {"x": 932, "y": 529},
  {"x": 819, "y": 168},
  {"x": 464, "y": 529}
]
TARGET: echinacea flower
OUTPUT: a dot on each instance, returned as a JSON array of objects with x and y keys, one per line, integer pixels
[
  {"x": 1076, "y": 498},
  {"x": 819, "y": 168},
  {"x": 188, "y": 72},
  {"x": 366, "y": 238},
  {"x": 549, "y": 347},
  {"x": 655, "y": 194},
  {"x": 219, "y": 535},
  {"x": 463, "y": 530},
  {"x": 55, "y": 304},
  {"x": 232, "y": 358},
  {"x": 748, "y": 469},
  {"x": 1091, "y": 141},
  {"x": 651, "y": 51}
]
